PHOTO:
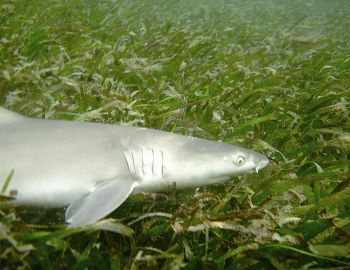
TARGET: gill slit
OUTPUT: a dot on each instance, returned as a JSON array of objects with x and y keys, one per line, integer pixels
[
  {"x": 142, "y": 163},
  {"x": 152, "y": 161},
  {"x": 133, "y": 161},
  {"x": 162, "y": 171},
  {"x": 127, "y": 162}
]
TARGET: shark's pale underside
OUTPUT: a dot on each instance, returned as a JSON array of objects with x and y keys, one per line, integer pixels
[{"x": 92, "y": 168}]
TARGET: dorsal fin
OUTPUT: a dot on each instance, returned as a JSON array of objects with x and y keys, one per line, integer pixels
[{"x": 7, "y": 116}]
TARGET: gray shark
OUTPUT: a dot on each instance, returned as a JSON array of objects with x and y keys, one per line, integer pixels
[{"x": 92, "y": 167}]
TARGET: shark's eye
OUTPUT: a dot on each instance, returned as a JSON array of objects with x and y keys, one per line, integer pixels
[{"x": 240, "y": 160}]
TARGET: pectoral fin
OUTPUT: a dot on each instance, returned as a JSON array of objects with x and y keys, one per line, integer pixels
[{"x": 107, "y": 197}]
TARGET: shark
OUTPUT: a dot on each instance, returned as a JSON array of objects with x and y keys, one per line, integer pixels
[{"x": 92, "y": 168}]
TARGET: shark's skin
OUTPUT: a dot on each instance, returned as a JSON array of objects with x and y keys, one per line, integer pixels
[{"x": 92, "y": 168}]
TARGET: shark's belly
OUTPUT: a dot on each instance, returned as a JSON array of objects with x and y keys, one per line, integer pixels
[
  {"x": 54, "y": 183},
  {"x": 48, "y": 171},
  {"x": 48, "y": 191},
  {"x": 44, "y": 186}
]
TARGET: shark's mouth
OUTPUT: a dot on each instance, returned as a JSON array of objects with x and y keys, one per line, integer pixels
[{"x": 262, "y": 164}]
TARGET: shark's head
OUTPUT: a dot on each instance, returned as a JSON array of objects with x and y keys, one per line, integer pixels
[{"x": 200, "y": 162}]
